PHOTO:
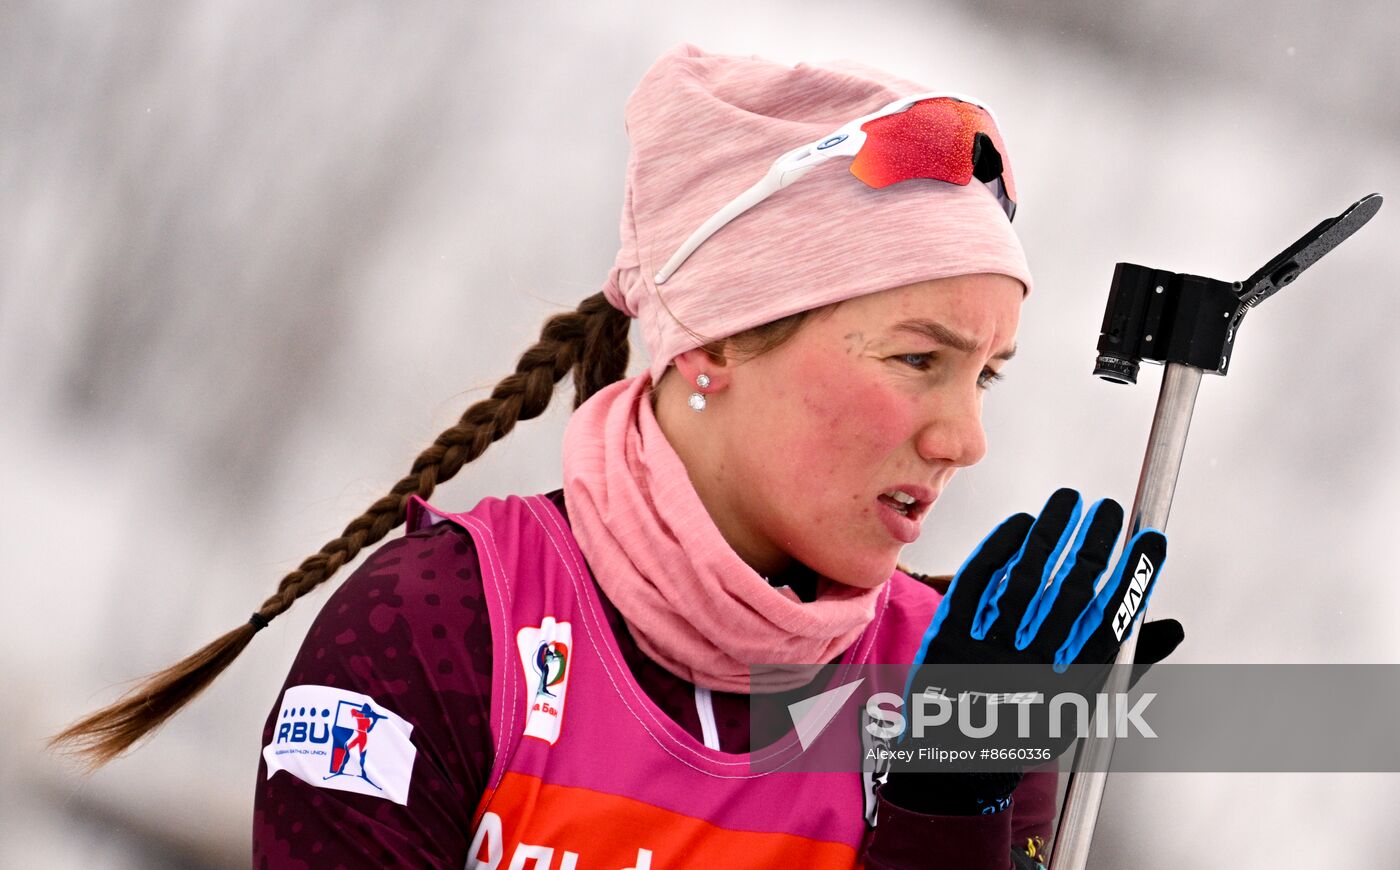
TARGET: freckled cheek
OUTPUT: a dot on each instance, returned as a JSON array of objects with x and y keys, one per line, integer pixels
[
  {"x": 868, "y": 418},
  {"x": 847, "y": 434}
]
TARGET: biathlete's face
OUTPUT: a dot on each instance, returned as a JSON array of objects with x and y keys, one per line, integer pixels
[{"x": 832, "y": 448}]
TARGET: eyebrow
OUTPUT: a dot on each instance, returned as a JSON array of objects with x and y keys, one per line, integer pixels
[{"x": 943, "y": 335}]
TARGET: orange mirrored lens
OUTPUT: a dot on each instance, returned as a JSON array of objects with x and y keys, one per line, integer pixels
[{"x": 931, "y": 139}]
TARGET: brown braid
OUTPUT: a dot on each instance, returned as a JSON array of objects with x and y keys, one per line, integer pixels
[{"x": 592, "y": 342}]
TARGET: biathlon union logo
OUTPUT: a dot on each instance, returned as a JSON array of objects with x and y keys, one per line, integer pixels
[
  {"x": 333, "y": 738},
  {"x": 544, "y": 655}
]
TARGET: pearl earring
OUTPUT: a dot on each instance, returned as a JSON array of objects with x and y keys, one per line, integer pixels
[{"x": 697, "y": 400}]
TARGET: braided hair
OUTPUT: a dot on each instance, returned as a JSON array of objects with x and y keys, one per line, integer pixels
[{"x": 590, "y": 342}]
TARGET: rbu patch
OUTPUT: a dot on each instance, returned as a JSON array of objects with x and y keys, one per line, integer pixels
[{"x": 333, "y": 738}]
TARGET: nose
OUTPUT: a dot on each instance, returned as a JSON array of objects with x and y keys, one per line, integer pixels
[{"x": 952, "y": 431}]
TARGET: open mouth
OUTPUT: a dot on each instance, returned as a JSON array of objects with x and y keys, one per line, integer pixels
[{"x": 905, "y": 503}]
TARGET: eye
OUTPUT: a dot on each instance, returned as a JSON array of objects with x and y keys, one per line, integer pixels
[
  {"x": 924, "y": 361},
  {"x": 919, "y": 361}
]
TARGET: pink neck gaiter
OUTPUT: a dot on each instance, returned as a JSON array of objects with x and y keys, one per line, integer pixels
[{"x": 691, "y": 603}]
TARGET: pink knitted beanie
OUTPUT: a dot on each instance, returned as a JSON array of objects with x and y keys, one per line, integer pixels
[{"x": 703, "y": 128}]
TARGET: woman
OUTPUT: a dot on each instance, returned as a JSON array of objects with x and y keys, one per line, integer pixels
[{"x": 564, "y": 680}]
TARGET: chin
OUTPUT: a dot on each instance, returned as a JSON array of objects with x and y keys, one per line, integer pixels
[{"x": 862, "y": 573}]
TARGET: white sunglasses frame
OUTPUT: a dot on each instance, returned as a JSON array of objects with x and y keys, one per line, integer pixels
[{"x": 846, "y": 141}]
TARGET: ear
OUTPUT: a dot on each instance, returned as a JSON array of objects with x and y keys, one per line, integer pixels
[{"x": 695, "y": 362}]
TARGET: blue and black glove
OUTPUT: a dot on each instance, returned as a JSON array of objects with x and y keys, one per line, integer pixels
[{"x": 1009, "y": 605}]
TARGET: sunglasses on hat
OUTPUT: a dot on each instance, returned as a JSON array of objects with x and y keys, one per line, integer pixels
[{"x": 941, "y": 136}]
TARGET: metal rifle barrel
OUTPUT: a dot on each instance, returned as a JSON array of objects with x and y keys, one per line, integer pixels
[{"x": 1152, "y": 504}]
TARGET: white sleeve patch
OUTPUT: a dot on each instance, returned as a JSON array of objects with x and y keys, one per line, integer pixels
[{"x": 333, "y": 738}]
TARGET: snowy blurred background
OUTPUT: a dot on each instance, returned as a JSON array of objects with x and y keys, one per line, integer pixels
[{"x": 254, "y": 256}]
